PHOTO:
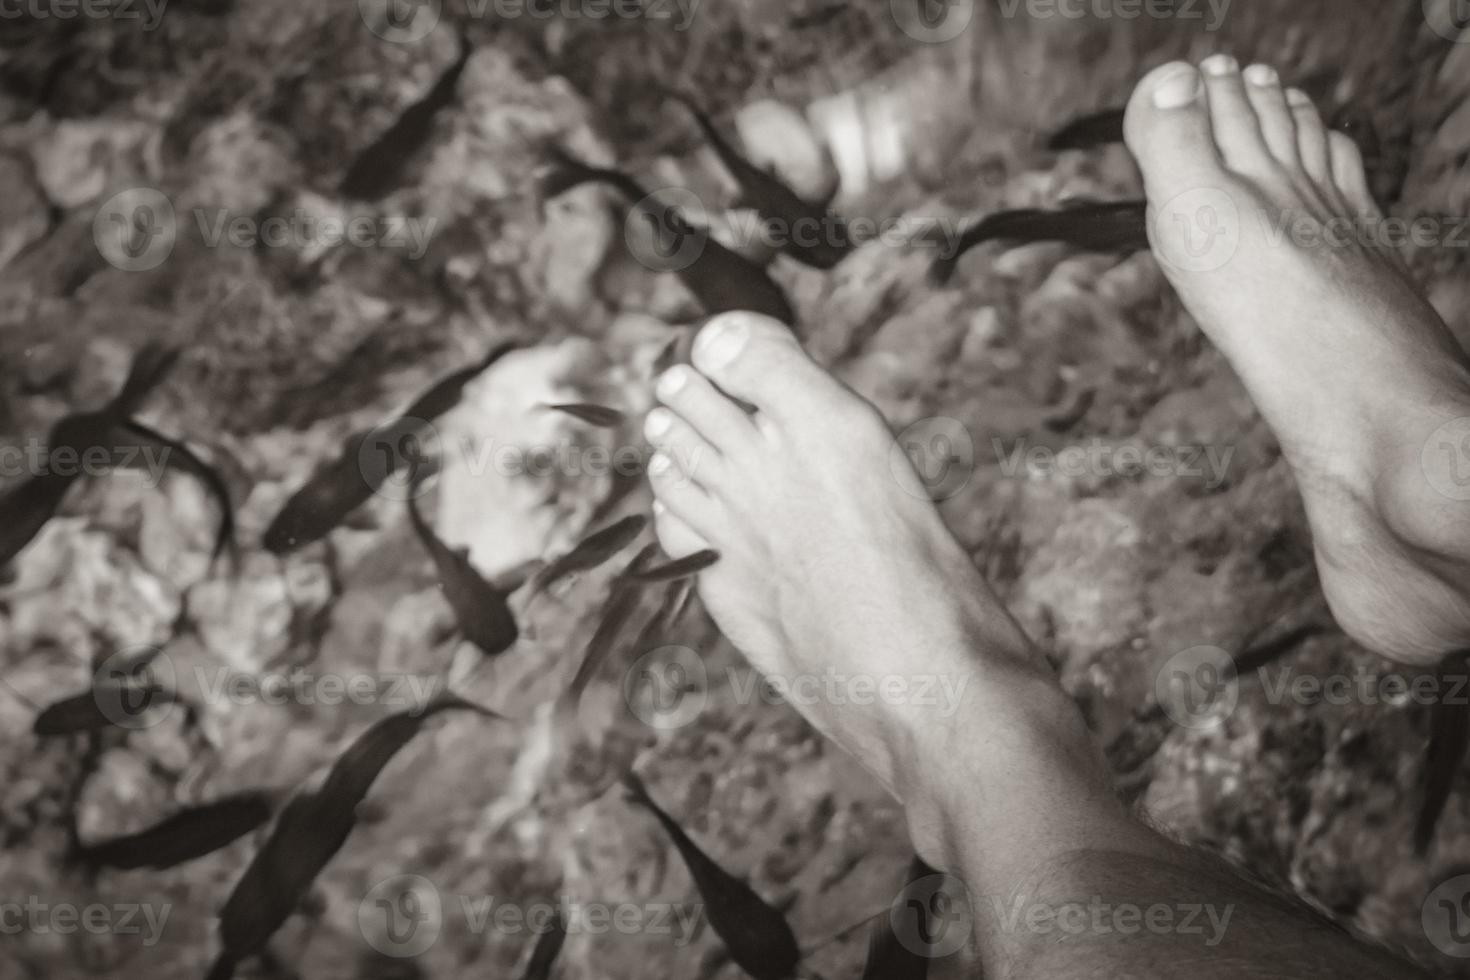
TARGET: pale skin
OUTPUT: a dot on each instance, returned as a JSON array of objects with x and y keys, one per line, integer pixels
[{"x": 834, "y": 558}]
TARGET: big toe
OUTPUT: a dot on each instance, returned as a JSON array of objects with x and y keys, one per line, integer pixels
[
  {"x": 1168, "y": 130},
  {"x": 757, "y": 360}
]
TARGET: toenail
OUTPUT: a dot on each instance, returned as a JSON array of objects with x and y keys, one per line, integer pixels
[
  {"x": 1296, "y": 96},
  {"x": 659, "y": 465},
  {"x": 1263, "y": 76},
  {"x": 673, "y": 379},
  {"x": 658, "y": 422},
  {"x": 1178, "y": 89},
  {"x": 1220, "y": 64},
  {"x": 722, "y": 340}
]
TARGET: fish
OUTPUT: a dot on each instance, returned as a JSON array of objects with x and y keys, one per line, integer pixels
[
  {"x": 761, "y": 191},
  {"x": 756, "y": 933},
  {"x": 1117, "y": 226},
  {"x": 816, "y": 18},
  {"x": 1449, "y": 737},
  {"x": 598, "y": 416},
  {"x": 621, "y": 604},
  {"x": 722, "y": 280},
  {"x": 889, "y": 957},
  {"x": 333, "y": 491},
  {"x": 593, "y": 551},
  {"x": 176, "y": 455},
  {"x": 1094, "y": 129},
  {"x": 679, "y": 568},
  {"x": 548, "y": 947},
  {"x": 339, "y": 487},
  {"x": 482, "y": 611},
  {"x": 184, "y": 836},
  {"x": 380, "y": 169},
  {"x": 105, "y": 705},
  {"x": 26, "y": 508},
  {"x": 310, "y": 830}
]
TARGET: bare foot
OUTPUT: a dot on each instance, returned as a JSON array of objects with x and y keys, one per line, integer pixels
[
  {"x": 836, "y": 568},
  {"x": 1263, "y": 221}
]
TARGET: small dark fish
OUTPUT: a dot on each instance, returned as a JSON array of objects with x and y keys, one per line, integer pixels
[
  {"x": 309, "y": 832},
  {"x": 757, "y": 935},
  {"x": 889, "y": 957},
  {"x": 679, "y": 568},
  {"x": 594, "y": 550},
  {"x": 621, "y": 605},
  {"x": 769, "y": 197},
  {"x": 28, "y": 506},
  {"x": 335, "y": 490},
  {"x": 446, "y": 393},
  {"x": 547, "y": 949},
  {"x": 599, "y": 416},
  {"x": 482, "y": 610},
  {"x": 1120, "y": 226},
  {"x": 191, "y": 833},
  {"x": 341, "y": 486},
  {"x": 105, "y": 705},
  {"x": 178, "y": 456},
  {"x": 1094, "y": 129},
  {"x": 1449, "y": 737},
  {"x": 379, "y": 169},
  {"x": 722, "y": 280}
]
